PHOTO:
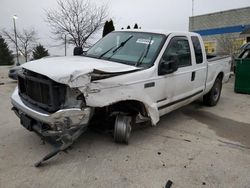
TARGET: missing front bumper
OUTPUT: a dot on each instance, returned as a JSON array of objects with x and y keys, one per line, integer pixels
[
  {"x": 75, "y": 116},
  {"x": 64, "y": 126}
]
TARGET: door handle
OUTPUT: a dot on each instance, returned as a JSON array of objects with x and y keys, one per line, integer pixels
[{"x": 193, "y": 76}]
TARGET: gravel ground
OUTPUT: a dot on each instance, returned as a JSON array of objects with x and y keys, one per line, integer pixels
[{"x": 194, "y": 146}]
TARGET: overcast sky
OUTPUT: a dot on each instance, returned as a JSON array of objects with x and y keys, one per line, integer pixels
[{"x": 149, "y": 14}]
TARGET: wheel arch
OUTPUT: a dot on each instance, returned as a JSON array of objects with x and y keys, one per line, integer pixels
[
  {"x": 220, "y": 76},
  {"x": 133, "y": 107},
  {"x": 125, "y": 96}
]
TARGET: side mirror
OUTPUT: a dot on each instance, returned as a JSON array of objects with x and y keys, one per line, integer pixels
[
  {"x": 78, "y": 51},
  {"x": 168, "y": 67}
]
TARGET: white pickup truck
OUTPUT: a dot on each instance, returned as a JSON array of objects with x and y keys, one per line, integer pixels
[{"x": 126, "y": 78}]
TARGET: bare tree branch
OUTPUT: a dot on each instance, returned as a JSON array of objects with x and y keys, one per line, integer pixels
[
  {"x": 78, "y": 19},
  {"x": 25, "y": 41}
]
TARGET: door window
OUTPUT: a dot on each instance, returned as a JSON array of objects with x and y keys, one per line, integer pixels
[
  {"x": 178, "y": 48},
  {"x": 197, "y": 49}
]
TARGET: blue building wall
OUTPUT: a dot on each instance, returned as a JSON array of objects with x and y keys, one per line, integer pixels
[{"x": 223, "y": 30}]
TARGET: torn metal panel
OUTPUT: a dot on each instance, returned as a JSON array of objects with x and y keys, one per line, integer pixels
[
  {"x": 99, "y": 75},
  {"x": 106, "y": 97}
]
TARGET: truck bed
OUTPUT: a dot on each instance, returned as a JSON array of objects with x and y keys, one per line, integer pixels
[{"x": 216, "y": 65}]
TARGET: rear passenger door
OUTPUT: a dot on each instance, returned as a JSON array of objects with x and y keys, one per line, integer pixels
[{"x": 200, "y": 66}]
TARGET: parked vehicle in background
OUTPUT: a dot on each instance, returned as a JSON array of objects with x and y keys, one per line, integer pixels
[
  {"x": 245, "y": 51},
  {"x": 14, "y": 71},
  {"x": 126, "y": 78}
]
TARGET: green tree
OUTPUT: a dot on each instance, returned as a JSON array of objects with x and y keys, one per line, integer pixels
[
  {"x": 136, "y": 26},
  {"x": 105, "y": 29},
  {"x": 108, "y": 27},
  {"x": 6, "y": 57},
  {"x": 39, "y": 51},
  {"x": 111, "y": 25}
]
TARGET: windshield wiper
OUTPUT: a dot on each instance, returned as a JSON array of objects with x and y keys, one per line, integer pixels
[
  {"x": 116, "y": 49},
  {"x": 144, "y": 53},
  {"x": 120, "y": 46},
  {"x": 103, "y": 54}
]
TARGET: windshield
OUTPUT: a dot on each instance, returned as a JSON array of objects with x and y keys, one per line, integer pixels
[{"x": 133, "y": 48}]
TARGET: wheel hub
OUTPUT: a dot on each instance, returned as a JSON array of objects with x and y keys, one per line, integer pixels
[{"x": 122, "y": 128}]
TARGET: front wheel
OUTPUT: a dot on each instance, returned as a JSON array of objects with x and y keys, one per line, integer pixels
[
  {"x": 212, "y": 98},
  {"x": 122, "y": 128}
]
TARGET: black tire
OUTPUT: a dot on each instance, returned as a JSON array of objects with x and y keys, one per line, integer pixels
[
  {"x": 122, "y": 128},
  {"x": 212, "y": 98}
]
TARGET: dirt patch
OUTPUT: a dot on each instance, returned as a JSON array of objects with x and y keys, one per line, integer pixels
[{"x": 223, "y": 127}]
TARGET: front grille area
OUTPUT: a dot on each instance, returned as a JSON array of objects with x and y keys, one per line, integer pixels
[{"x": 41, "y": 91}]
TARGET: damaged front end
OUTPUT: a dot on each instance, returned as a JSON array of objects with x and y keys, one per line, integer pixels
[{"x": 54, "y": 111}]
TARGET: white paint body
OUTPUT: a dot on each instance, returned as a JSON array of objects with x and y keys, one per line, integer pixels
[{"x": 76, "y": 73}]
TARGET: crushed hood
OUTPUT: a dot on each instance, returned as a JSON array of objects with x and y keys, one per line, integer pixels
[{"x": 76, "y": 71}]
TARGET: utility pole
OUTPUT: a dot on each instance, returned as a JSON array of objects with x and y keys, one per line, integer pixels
[
  {"x": 65, "y": 45},
  {"x": 192, "y": 23},
  {"x": 192, "y": 8},
  {"x": 17, "y": 56}
]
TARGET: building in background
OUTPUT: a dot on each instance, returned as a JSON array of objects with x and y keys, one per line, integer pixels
[{"x": 223, "y": 32}]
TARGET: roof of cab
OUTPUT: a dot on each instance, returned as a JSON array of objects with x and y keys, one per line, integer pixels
[{"x": 164, "y": 32}]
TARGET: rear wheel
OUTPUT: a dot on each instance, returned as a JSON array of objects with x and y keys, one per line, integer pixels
[
  {"x": 212, "y": 98},
  {"x": 122, "y": 128}
]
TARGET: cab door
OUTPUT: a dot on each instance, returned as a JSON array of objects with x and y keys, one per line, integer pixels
[{"x": 179, "y": 84}]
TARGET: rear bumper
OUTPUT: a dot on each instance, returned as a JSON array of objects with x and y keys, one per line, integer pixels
[{"x": 73, "y": 116}]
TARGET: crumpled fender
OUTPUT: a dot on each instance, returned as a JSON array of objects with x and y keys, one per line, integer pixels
[
  {"x": 76, "y": 79},
  {"x": 98, "y": 95}
]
